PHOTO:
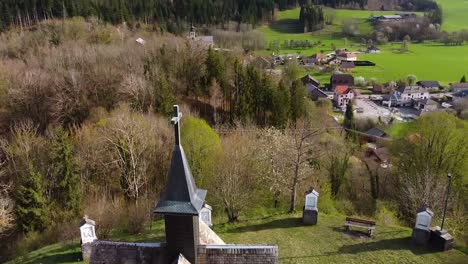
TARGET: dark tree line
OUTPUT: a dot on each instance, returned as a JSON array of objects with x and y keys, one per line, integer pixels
[
  {"x": 338, "y": 3},
  {"x": 164, "y": 13},
  {"x": 312, "y": 17}
]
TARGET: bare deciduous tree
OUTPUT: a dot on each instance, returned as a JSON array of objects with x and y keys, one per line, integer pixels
[
  {"x": 236, "y": 179},
  {"x": 6, "y": 209},
  {"x": 293, "y": 155}
]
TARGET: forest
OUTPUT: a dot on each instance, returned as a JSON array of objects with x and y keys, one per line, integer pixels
[{"x": 166, "y": 15}]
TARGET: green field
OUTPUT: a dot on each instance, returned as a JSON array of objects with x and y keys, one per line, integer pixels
[
  {"x": 455, "y": 14},
  {"x": 324, "y": 243},
  {"x": 426, "y": 60}
]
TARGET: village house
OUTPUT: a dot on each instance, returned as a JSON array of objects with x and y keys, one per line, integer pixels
[
  {"x": 426, "y": 106},
  {"x": 458, "y": 96},
  {"x": 387, "y": 18},
  {"x": 319, "y": 58},
  {"x": 343, "y": 95},
  {"x": 308, "y": 81},
  {"x": 205, "y": 41},
  {"x": 379, "y": 89},
  {"x": 373, "y": 49},
  {"x": 347, "y": 66},
  {"x": 261, "y": 63},
  {"x": 429, "y": 85},
  {"x": 341, "y": 79},
  {"x": 380, "y": 156},
  {"x": 312, "y": 86},
  {"x": 457, "y": 87},
  {"x": 406, "y": 96},
  {"x": 345, "y": 56}
]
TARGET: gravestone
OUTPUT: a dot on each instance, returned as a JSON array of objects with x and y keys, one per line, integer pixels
[
  {"x": 205, "y": 215},
  {"x": 88, "y": 235},
  {"x": 421, "y": 231},
  {"x": 310, "y": 212}
]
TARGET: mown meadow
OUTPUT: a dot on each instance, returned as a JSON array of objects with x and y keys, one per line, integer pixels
[
  {"x": 324, "y": 243},
  {"x": 428, "y": 60}
]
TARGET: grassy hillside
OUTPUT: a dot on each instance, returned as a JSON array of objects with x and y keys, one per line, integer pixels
[
  {"x": 426, "y": 60},
  {"x": 324, "y": 243},
  {"x": 455, "y": 14}
]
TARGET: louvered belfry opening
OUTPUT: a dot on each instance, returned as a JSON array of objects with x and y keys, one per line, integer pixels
[{"x": 181, "y": 202}]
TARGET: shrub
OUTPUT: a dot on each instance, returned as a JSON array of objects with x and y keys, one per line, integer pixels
[
  {"x": 385, "y": 214},
  {"x": 345, "y": 206},
  {"x": 138, "y": 216},
  {"x": 106, "y": 213},
  {"x": 326, "y": 203}
]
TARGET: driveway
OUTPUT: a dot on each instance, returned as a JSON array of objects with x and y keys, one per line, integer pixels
[{"x": 370, "y": 109}]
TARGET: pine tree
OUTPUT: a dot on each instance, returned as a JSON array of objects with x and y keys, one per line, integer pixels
[
  {"x": 463, "y": 79},
  {"x": 298, "y": 100},
  {"x": 30, "y": 202},
  {"x": 281, "y": 100},
  {"x": 164, "y": 97},
  {"x": 215, "y": 69},
  {"x": 350, "y": 124},
  {"x": 68, "y": 189}
]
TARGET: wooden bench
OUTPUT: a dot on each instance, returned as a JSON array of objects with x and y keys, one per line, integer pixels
[{"x": 360, "y": 223}]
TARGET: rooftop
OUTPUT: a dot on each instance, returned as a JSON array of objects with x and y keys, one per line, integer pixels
[{"x": 342, "y": 89}]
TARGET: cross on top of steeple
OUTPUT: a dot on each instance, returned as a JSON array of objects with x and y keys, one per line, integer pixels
[{"x": 176, "y": 121}]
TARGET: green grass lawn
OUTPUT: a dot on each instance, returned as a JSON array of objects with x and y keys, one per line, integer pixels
[
  {"x": 324, "y": 243},
  {"x": 455, "y": 14},
  {"x": 428, "y": 61}
]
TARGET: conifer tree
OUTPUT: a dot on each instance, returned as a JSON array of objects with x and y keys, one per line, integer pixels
[
  {"x": 350, "y": 124},
  {"x": 164, "y": 96},
  {"x": 298, "y": 100},
  {"x": 463, "y": 79},
  {"x": 281, "y": 100},
  {"x": 30, "y": 202},
  {"x": 68, "y": 189}
]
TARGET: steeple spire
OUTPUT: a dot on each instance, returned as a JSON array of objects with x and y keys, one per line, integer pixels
[{"x": 182, "y": 196}]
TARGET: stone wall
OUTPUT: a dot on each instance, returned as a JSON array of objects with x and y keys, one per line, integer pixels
[
  {"x": 106, "y": 252},
  {"x": 237, "y": 254}
]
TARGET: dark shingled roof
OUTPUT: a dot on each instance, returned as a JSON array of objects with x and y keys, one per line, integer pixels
[
  {"x": 375, "y": 132},
  {"x": 182, "y": 195},
  {"x": 426, "y": 84}
]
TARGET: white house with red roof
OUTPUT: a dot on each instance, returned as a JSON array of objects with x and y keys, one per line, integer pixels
[
  {"x": 343, "y": 95},
  {"x": 345, "y": 56}
]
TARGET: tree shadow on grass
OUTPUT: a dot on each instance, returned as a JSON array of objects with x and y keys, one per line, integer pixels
[
  {"x": 402, "y": 243},
  {"x": 287, "y": 26},
  {"x": 59, "y": 258},
  {"x": 275, "y": 224}
]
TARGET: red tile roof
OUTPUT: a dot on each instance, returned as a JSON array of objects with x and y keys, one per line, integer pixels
[{"x": 342, "y": 89}]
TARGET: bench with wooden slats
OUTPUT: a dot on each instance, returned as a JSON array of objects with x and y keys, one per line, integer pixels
[{"x": 360, "y": 223}]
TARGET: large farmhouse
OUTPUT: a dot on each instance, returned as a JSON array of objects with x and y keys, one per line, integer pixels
[{"x": 406, "y": 96}]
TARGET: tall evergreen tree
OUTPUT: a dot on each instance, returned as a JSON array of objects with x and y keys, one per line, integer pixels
[
  {"x": 298, "y": 100},
  {"x": 215, "y": 69},
  {"x": 68, "y": 189},
  {"x": 350, "y": 124},
  {"x": 463, "y": 79},
  {"x": 164, "y": 96},
  {"x": 281, "y": 100},
  {"x": 30, "y": 202}
]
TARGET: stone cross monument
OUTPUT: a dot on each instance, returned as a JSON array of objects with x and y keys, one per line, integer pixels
[
  {"x": 310, "y": 212},
  {"x": 181, "y": 203}
]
